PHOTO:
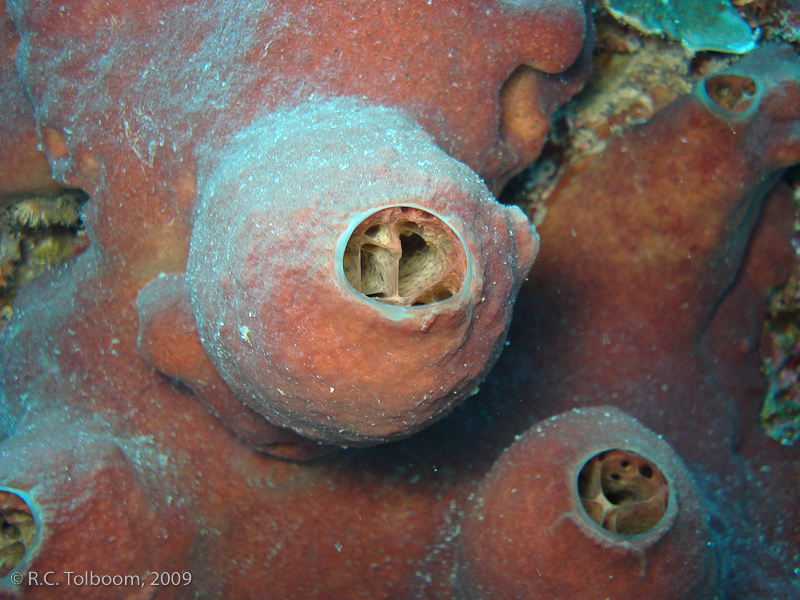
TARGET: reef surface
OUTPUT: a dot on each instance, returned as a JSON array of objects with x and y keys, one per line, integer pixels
[{"x": 295, "y": 248}]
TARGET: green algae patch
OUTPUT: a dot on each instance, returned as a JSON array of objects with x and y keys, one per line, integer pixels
[{"x": 780, "y": 362}]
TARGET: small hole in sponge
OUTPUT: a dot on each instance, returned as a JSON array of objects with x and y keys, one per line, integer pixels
[
  {"x": 17, "y": 530},
  {"x": 734, "y": 93},
  {"x": 405, "y": 256},
  {"x": 623, "y": 492}
]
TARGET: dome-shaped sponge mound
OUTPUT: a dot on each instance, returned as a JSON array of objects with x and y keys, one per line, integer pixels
[
  {"x": 350, "y": 280},
  {"x": 587, "y": 504}
]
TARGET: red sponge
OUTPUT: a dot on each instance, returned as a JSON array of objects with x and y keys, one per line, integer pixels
[{"x": 588, "y": 504}]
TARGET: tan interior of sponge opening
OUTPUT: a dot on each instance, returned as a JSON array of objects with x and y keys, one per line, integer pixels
[
  {"x": 623, "y": 492},
  {"x": 17, "y": 530},
  {"x": 405, "y": 256},
  {"x": 734, "y": 93}
]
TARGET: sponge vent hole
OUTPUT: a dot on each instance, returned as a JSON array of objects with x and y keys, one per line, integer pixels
[
  {"x": 17, "y": 531},
  {"x": 623, "y": 492},
  {"x": 405, "y": 256}
]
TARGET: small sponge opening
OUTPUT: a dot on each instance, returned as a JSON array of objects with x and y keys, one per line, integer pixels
[
  {"x": 734, "y": 93},
  {"x": 17, "y": 531},
  {"x": 623, "y": 492},
  {"x": 405, "y": 256}
]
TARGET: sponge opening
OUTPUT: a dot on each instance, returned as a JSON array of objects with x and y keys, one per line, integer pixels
[
  {"x": 405, "y": 256},
  {"x": 17, "y": 531},
  {"x": 623, "y": 492},
  {"x": 734, "y": 93}
]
